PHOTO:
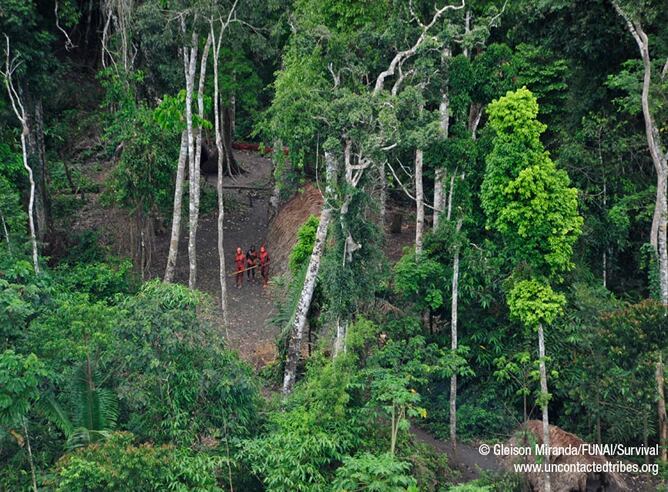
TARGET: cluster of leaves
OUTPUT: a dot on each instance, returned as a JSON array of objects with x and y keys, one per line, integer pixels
[
  {"x": 85, "y": 354},
  {"x": 344, "y": 419}
]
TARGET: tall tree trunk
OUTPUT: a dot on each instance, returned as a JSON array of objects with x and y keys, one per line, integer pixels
[
  {"x": 294, "y": 347},
  {"x": 656, "y": 150},
  {"x": 544, "y": 393},
  {"x": 176, "y": 214},
  {"x": 31, "y": 461},
  {"x": 444, "y": 125},
  {"x": 221, "y": 208},
  {"x": 419, "y": 201},
  {"x": 275, "y": 198},
  {"x": 439, "y": 196},
  {"x": 340, "y": 342},
  {"x": 661, "y": 236},
  {"x": 18, "y": 107},
  {"x": 5, "y": 231},
  {"x": 454, "y": 340},
  {"x": 195, "y": 176},
  {"x": 383, "y": 196},
  {"x": 661, "y": 409},
  {"x": 36, "y": 159},
  {"x": 227, "y": 127},
  {"x": 450, "y": 193},
  {"x": 31, "y": 203}
]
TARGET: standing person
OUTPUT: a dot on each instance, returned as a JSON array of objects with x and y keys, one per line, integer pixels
[
  {"x": 240, "y": 262},
  {"x": 251, "y": 262},
  {"x": 264, "y": 265}
]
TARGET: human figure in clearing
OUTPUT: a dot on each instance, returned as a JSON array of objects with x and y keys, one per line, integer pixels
[
  {"x": 251, "y": 263},
  {"x": 240, "y": 262},
  {"x": 264, "y": 265}
]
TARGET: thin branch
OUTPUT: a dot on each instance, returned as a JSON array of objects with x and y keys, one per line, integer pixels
[
  {"x": 402, "y": 55},
  {"x": 68, "y": 42},
  {"x": 403, "y": 187}
]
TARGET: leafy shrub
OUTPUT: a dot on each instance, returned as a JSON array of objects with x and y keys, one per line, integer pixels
[
  {"x": 101, "y": 281},
  {"x": 301, "y": 251},
  {"x": 379, "y": 473},
  {"x": 119, "y": 464},
  {"x": 176, "y": 380}
]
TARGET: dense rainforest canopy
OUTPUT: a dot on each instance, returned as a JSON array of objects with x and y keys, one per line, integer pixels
[{"x": 463, "y": 214}]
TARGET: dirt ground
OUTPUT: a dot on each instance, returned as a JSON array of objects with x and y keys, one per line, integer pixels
[{"x": 245, "y": 225}]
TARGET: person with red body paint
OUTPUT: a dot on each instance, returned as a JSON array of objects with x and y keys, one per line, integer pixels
[
  {"x": 264, "y": 265},
  {"x": 240, "y": 262}
]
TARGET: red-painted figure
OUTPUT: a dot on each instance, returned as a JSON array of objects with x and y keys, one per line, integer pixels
[
  {"x": 264, "y": 265},
  {"x": 251, "y": 262},
  {"x": 240, "y": 262}
]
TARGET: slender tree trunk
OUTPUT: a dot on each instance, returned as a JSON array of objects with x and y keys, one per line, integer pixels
[
  {"x": 439, "y": 196},
  {"x": 31, "y": 461},
  {"x": 226, "y": 124},
  {"x": 6, "y": 233},
  {"x": 340, "y": 342},
  {"x": 195, "y": 176},
  {"x": 419, "y": 201},
  {"x": 454, "y": 340},
  {"x": 661, "y": 410},
  {"x": 383, "y": 196},
  {"x": 656, "y": 150},
  {"x": 192, "y": 163},
  {"x": 544, "y": 393},
  {"x": 444, "y": 125},
  {"x": 294, "y": 347},
  {"x": 176, "y": 214},
  {"x": 605, "y": 209},
  {"x": 31, "y": 203},
  {"x": 221, "y": 208},
  {"x": 37, "y": 160},
  {"x": 661, "y": 236},
  {"x": 450, "y": 193},
  {"x": 275, "y": 198}
]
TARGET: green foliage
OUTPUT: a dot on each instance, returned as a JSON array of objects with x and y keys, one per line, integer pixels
[
  {"x": 175, "y": 378},
  {"x": 527, "y": 199},
  {"x": 101, "y": 281},
  {"x": 534, "y": 303},
  {"x": 544, "y": 74},
  {"x": 383, "y": 473},
  {"x": 420, "y": 280},
  {"x": 20, "y": 379},
  {"x": 94, "y": 409},
  {"x": 118, "y": 463},
  {"x": 301, "y": 251},
  {"x": 540, "y": 219},
  {"x": 143, "y": 179}
]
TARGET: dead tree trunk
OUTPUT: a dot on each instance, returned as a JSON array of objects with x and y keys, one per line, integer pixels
[
  {"x": 294, "y": 347},
  {"x": 176, "y": 214}
]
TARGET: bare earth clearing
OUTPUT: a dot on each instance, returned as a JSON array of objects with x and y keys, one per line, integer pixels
[{"x": 245, "y": 226}]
